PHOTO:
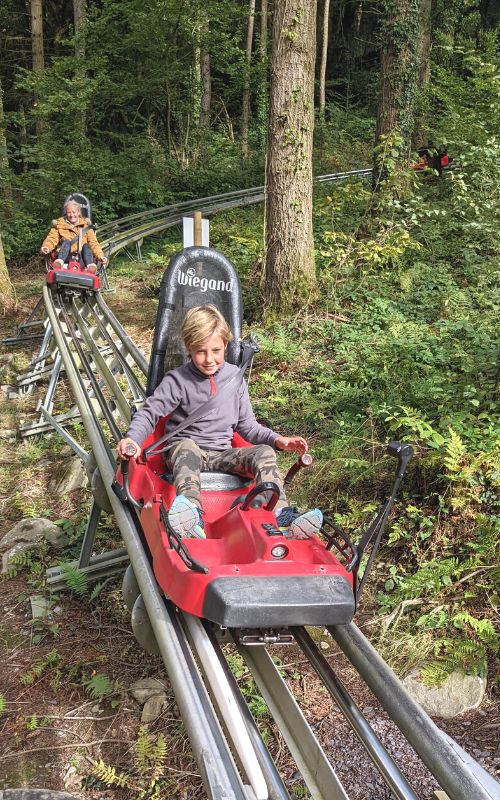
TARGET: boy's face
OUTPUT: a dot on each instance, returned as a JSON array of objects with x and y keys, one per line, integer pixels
[
  {"x": 72, "y": 214},
  {"x": 209, "y": 355}
]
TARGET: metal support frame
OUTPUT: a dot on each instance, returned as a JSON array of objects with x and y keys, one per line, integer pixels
[{"x": 30, "y": 323}]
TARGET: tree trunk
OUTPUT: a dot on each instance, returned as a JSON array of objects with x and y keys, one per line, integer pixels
[
  {"x": 263, "y": 31},
  {"x": 7, "y": 295},
  {"x": 289, "y": 272},
  {"x": 245, "y": 111},
  {"x": 23, "y": 135},
  {"x": 5, "y": 182},
  {"x": 37, "y": 47},
  {"x": 398, "y": 71},
  {"x": 324, "y": 57},
  {"x": 206, "y": 80},
  {"x": 80, "y": 17},
  {"x": 419, "y": 136}
]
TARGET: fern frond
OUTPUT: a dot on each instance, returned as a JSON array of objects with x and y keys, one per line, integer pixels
[
  {"x": 143, "y": 749},
  {"x": 109, "y": 775},
  {"x": 455, "y": 451},
  {"x": 99, "y": 686},
  {"x": 74, "y": 579},
  {"x": 158, "y": 756}
]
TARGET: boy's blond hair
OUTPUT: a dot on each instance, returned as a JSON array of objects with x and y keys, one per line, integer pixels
[{"x": 202, "y": 322}]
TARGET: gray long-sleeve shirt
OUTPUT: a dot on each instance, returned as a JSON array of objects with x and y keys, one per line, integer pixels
[{"x": 182, "y": 391}]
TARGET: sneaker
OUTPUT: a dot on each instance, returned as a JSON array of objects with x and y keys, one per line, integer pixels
[
  {"x": 299, "y": 526},
  {"x": 59, "y": 263},
  {"x": 92, "y": 268},
  {"x": 184, "y": 518}
]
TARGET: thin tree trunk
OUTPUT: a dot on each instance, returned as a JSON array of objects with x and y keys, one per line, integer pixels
[
  {"x": 289, "y": 271},
  {"x": 206, "y": 80},
  {"x": 5, "y": 182},
  {"x": 23, "y": 135},
  {"x": 324, "y": 58},
  {"x": 245, "y": 111},
  {"x": 263, "y": 31},
  {"x": 37, "y": 48},
  {"x": 419, "y": 136},
  {"x": 80, "y": 17},
  {"x": 7, "y": 294}
]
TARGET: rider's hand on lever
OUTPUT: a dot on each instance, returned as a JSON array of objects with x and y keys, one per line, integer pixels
[
  {"x": 44, "y": 251},
  {"x": 127, "y": 448},
  {"x": 294, "y": 443}
]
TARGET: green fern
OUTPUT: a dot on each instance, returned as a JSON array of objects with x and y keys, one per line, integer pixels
[
  {"x": 483, "y": 628},
  {"x": 3, "y": 703},
  {"x": 158, "y": 757},
  {"x": 150, "y": 754},
  {"x": 40, "y": 666},
  {"x": 455, "y": 451},
  {"x": 75, "y": 579},
  {"x": 99, "y": 686},
  {"x": 143, "y": 749},
  {"x": 109, "y": 775},
  {"x": 19, "y": 562},
  {"x": 434, "y": 673}
]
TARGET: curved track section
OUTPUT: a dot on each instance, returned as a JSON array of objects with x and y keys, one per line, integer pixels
[
  {"x": 122, "y": 233},
  {"x": 106, "y": 372}
]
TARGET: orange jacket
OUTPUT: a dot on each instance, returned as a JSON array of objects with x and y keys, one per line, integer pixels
[{"x": 62, "y": 229}]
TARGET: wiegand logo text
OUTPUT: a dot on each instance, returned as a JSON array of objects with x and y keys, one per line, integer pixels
[{"x": 189, "y": 278}]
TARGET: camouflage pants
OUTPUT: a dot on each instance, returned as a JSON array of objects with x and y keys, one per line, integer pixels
[{"x": 186, "y": 460}]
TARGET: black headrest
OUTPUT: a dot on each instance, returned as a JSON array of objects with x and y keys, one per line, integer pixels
[
  {"x": 196, "y": 276},
  {"x": 83, "y": 201}
]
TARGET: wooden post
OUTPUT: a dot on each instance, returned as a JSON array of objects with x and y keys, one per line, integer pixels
[{"x": 197, "y": 229}]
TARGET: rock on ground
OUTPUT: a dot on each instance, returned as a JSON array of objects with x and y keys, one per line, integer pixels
[
  {"x": 458, "y": 693},
  {"x": 28, "y": 534}
]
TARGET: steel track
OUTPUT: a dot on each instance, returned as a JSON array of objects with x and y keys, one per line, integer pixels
[
  {"x": 105, "y": 369},
  {"x": 121, "y": 233}
]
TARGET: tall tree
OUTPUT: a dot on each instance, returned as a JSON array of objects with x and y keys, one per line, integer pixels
[
  {"x": 263, "y": 30},
  {"x": 206, "y": 79},
  {"x": 324, "y": 57},
  {"x": 419, "y": 136},
  {"x": 398, "y": 71},
  {"x": 289, "y": 270},
  {"x": 37, "y": 47},
  {"x": 245, "y": 110},
  {"x": 79, "y": 18},
  {"x": 5, "y": 182},
  {"x": 7, "y": 295}
]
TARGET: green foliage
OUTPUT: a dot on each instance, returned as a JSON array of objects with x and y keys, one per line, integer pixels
[
  {"x": 3, "y": 703},
  {"x": 99, "y": 686},
  {"x": 109, "y": 775},
  {"x": 150, "y": 754},
  {"x": 75, "y": 579},
  {"x": 40, "y": 667},
  {"x": 145, "y": 778}
]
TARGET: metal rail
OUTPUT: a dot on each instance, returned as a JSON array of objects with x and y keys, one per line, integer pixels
[
  {"x": 234, "y": 762},
  {"x": 121, "y": 233}
]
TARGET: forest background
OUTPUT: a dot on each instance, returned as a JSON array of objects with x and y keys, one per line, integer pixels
[{"x": 139, "y": 105}]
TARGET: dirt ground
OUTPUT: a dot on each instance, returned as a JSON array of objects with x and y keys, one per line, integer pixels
[{"x": 54, "y": 733}]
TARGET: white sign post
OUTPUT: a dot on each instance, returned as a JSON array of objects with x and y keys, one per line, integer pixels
[{"x": 188, "y": 232}]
